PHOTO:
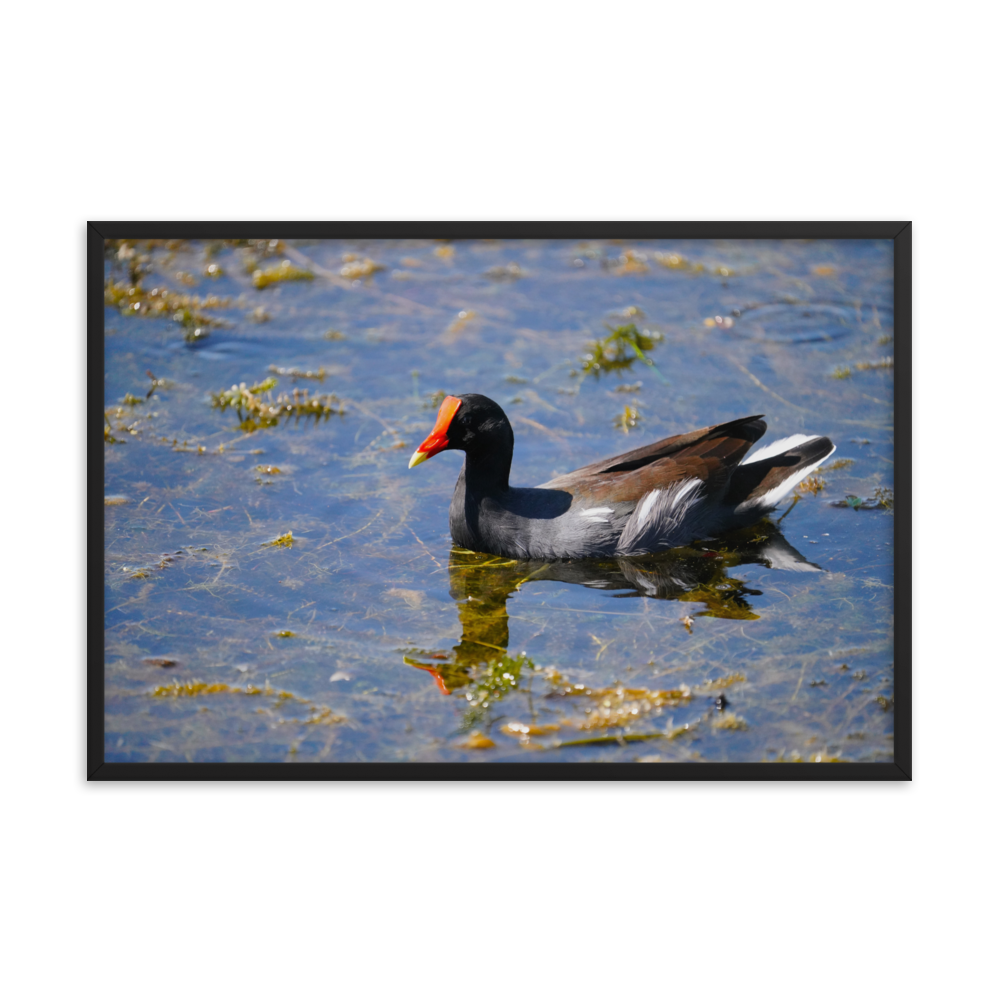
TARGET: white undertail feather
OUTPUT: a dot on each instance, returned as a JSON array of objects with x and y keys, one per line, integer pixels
[
  {"x": 660, "y": 519},
  {"x": 773, "y": 497},
  {"x": 778, "y": 447}
]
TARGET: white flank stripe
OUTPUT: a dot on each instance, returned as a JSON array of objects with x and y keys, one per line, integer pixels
[
  {"x": 646, "y": 505},
  {"x": 685, "y": 490},
  {"x": 778, "y": 447},
  {"x": 596, "y": 510}
]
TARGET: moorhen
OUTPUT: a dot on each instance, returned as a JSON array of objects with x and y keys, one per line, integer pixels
[{"x": 657, "y": 497}]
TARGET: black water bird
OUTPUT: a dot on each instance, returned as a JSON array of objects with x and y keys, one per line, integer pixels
[{"x": 658, "y": 497}]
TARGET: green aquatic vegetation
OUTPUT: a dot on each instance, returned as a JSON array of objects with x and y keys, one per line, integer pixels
[
  {"x": 285, "y": 271},
  {"x": 125, "y": 254},
  {"x": 883, "y": 500},
  {"x": 617, "y": 706},
  {"x": 630, "y": 262},
  {"x": 135, "y": 428},
  {"x": 621, "y": 739},
  {"x": 501, "y": 272},
  {"x": 130, "y": 298},
  {"x": 729, "y": 720},
  {"x": 285, "y": 633},
  {"x": 109, "y": 438},
  {"x": 262, "y": 248},
  {"x": 720, "y": 683},
  {"x": 723, "y": 598},
  {"x": 299, "y": 403},
  {"x": 130, "y": 400},
  {"x": 500, "y": 676},
  {"x": 841, "y": 372},
  {"x": 241, "y": 397},
  {"x": 268, "y": 470},
  {"x": 885, "y": 703},
  {"x": 319, "y": 374},
  {"x": 434, "y": 399},
  {"x": 672, "y": 261},
  {"x": 213, "y": 271},
  {"x": 333, "y": 335},
  {"x": 156, "y": 383},
  {"x": 885, "y": 497},
  {"x": 477, "y": 741},
  {"x": 841, "y": 463},
  {"x": 194, "y": 688},
  {"x": 319, "y": 715},
  {"x": 257, "y": 410},
  {"x": 865, "y": 366},
  {"x": 355, "y": 268},
  {"x": 255, "y": 251},
  {"x": 619, "y": 350},
  {"x": 813, "y": 485},
  {"x": 627, "y": 419},
  {"x": 282, "y": 541},
  {"x": 497, "y": 678},
  {"x": 523, "y": 730}
]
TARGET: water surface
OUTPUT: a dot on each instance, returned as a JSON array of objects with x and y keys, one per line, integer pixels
[{"x": 363, "y": 635}]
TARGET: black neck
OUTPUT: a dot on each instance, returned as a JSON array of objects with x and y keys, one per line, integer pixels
[{"x": 487, "y": 473}]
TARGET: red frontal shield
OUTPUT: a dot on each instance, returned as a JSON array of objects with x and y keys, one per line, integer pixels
[{"x": 437, "y": 440}]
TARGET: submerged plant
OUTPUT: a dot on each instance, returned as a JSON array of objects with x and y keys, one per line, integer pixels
[
  {"x": 619, "y": 350},
  {"x": 673, "y": 261},
  {"x": 618, "y": 706},
  {"x": 241, "y": 397},
  {"x": 294, "y": 373},
  {"x": 499, "y": 677},
  {"x": 627, "y": 419},
  {"x": 885, "y": 497},
  {"x": 285, "y": 271},
  {"x": 256, "y": 409},
  {"x": 131, "y": 299},
  {"x": 883, "y": 500},
  {"x": 354, "y": 269},
  {"x": 814, "y": 485}
]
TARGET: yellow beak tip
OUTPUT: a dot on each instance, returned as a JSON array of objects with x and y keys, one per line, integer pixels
[{"x": 418, "y": 457}]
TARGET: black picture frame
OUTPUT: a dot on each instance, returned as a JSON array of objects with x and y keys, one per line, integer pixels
[{"x": 97, "y": 769}]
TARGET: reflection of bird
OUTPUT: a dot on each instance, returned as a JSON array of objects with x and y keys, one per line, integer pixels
[
  {"x": 654, "y": 498},
  {"x": 481, "y": 585}
]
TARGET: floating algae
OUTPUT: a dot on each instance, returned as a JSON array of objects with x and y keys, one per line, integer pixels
[
  {"x": 619, "y": 350},
  {"x": 257, "y": 409}
]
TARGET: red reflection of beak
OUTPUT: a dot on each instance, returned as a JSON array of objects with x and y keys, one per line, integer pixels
[
  {"x": 437, "y": 440},
  {"x": 438, "y": 679}
]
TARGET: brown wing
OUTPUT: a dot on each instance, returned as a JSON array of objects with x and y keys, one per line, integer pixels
[{"x": 709, "y": 454}]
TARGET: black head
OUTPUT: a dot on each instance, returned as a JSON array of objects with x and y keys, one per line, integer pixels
[{"x": 476, "y": 425}]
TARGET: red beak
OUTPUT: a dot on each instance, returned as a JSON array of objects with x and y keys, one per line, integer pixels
[{"x": 437, "y": 440}]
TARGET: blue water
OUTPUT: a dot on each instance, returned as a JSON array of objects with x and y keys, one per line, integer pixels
[{"x": 398, "y": 642}]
